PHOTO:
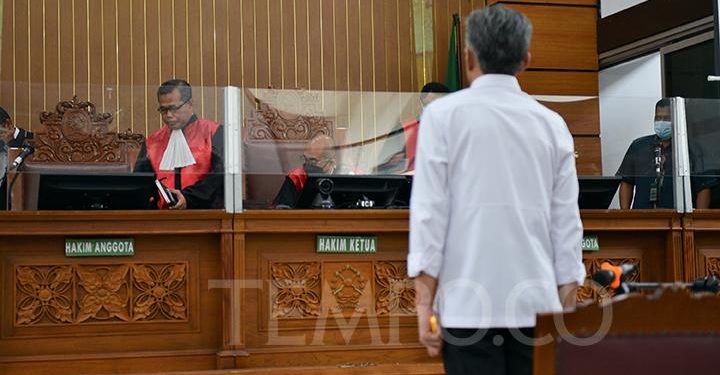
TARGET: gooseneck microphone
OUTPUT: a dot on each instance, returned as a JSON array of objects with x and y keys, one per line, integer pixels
[
  {"x": 613, "y": 277},
  {"x": 26, "y": 151}
]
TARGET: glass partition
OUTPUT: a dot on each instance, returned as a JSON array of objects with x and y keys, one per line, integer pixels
[
  {"x": 340, "y": 149},
  {"x": 638, "y": 146},
  {"x": 703, "y": 136},
  {"x": 266, "y": 148},
  {"x": 114, "y": 148}
]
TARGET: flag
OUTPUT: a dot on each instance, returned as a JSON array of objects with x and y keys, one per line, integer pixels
[{"x": 453, "y": 77}]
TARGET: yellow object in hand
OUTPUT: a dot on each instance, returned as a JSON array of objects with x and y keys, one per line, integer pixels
[{"x": 433, "y": 324}]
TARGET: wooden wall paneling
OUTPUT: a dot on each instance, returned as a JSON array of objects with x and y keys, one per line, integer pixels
[
  {"x": 241, "y": 43},
  {"x": 95, "y": 51},
  {"x": 35, "y": 57},
  {"x": 559, "y": 83},
  {"x": 209, "y": 57},
  {"x": 137, "y": 68},
  {"x": 329, "y": 43},
  {"x": 342, "y": 58},
  {"x": 124, "y": 116},
  {"x": 198, "y": 58},
  {"x": 108, "y": 86},
  {"x": 315, "y": 41},
  {"x": 366, "y": 45},
  {"x": 6, "y": 84},
  {"x": 354, "y": 39},
  {"x": 407, "y": 47},
  {"x": 81, "y": 36},
  {"x": 302, "y": 45},
  {"x": 67, "y": 41},
  {"x": 570, "y": 44},
  {"x": 262, "y": 45},
  {"x": 20, "y": 68},
  {"x": 391, "y": 69},
  {"x": 179, "y": 21},
  {"x": 593, "y": 3},
  {"x": 589, "y": 159},
  {"x": 52, "y": 54},
  {"x": 282, "y": 41},
  {"x": 379, "y": 37},
  {"x": 582, "y": 117},
  {"x": 154, "y": 75}
]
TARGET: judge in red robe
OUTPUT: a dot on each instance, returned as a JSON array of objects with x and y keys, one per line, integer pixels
[
  {"x": 403, "y": 161},
  {"x": 186, "y": 153}
]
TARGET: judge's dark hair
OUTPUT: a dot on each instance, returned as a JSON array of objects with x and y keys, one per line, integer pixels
[
  {"x": 433, "y": 87},
  {"x": 180, "y": 84},
  {"x": 500, "y": 39},
  {"x": 4, "y": 116},
  {"x": 662, "y": 103}
]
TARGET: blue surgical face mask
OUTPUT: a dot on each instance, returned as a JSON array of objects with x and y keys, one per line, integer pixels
[{"x": 663, "y": 129}]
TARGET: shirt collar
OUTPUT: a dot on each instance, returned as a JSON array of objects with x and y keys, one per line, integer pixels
[
  {"x": 17, "y": 132},
  {"x": 497, "y": 80}
]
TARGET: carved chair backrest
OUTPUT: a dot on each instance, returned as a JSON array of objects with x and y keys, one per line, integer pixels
[
  {"x": 273, "y": 143},
  {"x": 74, "y": 138}
]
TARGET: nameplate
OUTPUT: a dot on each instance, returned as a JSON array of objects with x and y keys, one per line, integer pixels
[
  {"x": 346, "y": 244},
  {"x": 590, "y": 243},
  {"x": 99, "y": 247}
]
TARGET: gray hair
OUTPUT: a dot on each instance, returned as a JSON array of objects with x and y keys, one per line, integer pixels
[{"x": 499, "y": 37}]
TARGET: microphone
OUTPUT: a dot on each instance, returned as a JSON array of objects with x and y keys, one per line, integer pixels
[
  {"x": 614, "y": 276},
  {"x": 26, "y": 151}
]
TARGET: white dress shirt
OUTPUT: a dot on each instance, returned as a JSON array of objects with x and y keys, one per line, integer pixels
[{"x": 494, "y": 213}]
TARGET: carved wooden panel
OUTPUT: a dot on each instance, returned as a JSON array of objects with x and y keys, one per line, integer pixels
[
  {"x": 76, "y": 133},
  {"x": 78, "y": 294},
  {"x": 591, "y": 291},
  {"x": 267, "y": 123},
  {"x": 103, "y": 293},
  {"x": 296, "y": 289},
  {"x": 347, "y": 285},
  {"x": 712, "y": 266},
  {"x": 394, "y": 290}
]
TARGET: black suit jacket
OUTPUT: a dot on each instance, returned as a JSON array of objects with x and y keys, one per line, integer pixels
[{"x": 18, "y": 141}]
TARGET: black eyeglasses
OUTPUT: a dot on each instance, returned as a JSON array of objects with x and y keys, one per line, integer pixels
[{"x": 172, "y": 108}]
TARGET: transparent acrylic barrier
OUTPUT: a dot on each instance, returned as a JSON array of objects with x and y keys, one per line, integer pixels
[
  {"x": 292, "y": 141},
  {"x": 632, "y": 151},
  {"x": 703, "y": 135},
  {"x": 92, "y": 151}
]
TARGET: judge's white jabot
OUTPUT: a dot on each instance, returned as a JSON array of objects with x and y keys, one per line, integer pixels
[{"x": 177, "y": 154}]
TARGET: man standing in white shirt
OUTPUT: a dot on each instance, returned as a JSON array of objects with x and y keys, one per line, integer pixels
[{"x": 495, "y": 228}]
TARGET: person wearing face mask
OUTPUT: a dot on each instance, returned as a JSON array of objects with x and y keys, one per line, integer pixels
[
  {"x": 641, "y": 187},
  {"x": 319, "y": 158},
  {"x": 186, "y": 153}
]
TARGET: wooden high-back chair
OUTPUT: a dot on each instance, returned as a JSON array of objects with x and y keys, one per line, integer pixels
[
  {"x": 74, "y": 138},
  {"x": 273, "y": 144}
]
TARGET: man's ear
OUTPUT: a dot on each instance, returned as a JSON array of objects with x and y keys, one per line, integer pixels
[
  {"x": 469, "y": 57},
  {"x": 526, "y": 62}
]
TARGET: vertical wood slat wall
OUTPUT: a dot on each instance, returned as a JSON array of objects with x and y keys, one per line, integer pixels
[{"x": 116, "y": 52}]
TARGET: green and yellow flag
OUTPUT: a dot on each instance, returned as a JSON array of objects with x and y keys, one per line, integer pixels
[{"x": 453, "y": 77}]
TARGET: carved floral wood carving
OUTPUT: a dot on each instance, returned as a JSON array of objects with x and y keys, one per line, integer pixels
[
  {"x": 266, "y": 123},
  {"x": 81, "y": 294},
  {"x": 593, "y": 292},
  {"x": 103, "y": 293},
  {"x": 347, "y": 287},
  {"x": 295, "y": 289},
  {"x": 161, "y": 290},
  {"x": 394, "y": 290},
  {"x": 712, "y": 267},
  {"x": 43, "y": 295},
  {"x": 75, "y": 132}
]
